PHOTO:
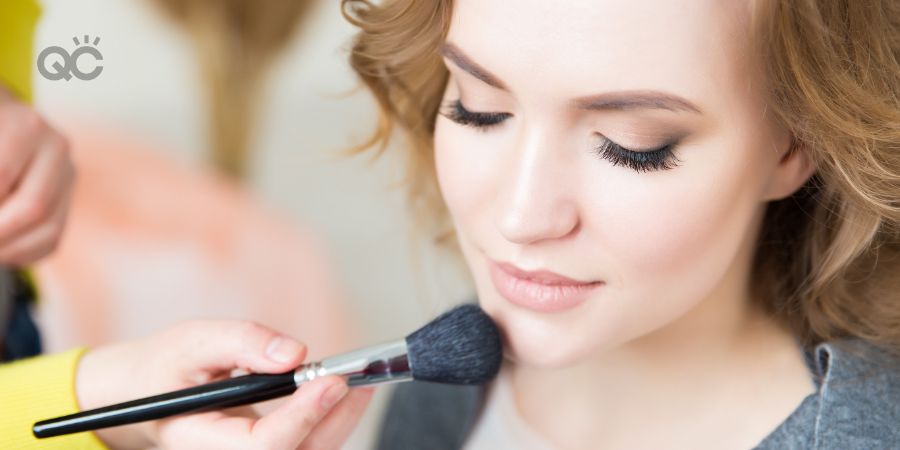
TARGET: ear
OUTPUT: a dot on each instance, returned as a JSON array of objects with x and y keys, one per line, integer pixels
[{"x": 791, "y": 172}]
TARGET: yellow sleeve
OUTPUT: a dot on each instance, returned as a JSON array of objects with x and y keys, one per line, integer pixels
[
  {"x": 17, "y": 21},
  {"x": 43, "y": 387},
  {"x": 40, "y": 388}
]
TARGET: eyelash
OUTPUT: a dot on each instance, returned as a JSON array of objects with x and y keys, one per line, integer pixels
[
  {"x": 479, "y": 120},
  {"x": 662, "y": 158}
]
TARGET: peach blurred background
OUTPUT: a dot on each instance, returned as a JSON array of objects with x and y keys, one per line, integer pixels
[{"x": 309, "y": 242}]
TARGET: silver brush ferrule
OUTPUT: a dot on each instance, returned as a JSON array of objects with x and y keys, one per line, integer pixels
[{"x": 384, "y": 363}]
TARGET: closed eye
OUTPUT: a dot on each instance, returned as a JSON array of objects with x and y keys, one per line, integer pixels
[
  {"x": 455, "y": 111},
  {"x": 662, "y": 158}
]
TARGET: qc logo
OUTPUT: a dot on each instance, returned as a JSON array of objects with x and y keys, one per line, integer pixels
[{"x": 65, "y": 64}]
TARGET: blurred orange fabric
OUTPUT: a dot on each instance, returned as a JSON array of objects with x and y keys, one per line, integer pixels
[{"x": 151, "y": 242}]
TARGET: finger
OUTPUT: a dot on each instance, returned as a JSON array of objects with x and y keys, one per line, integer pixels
[
  {"x": 337, "y": 425},
  {"x": 246, "y": 411},
  {"x": 211, "y": 430},
  {"x": 215, "y": 347},
  {"x": 21, "y": 130},
  {"x": 38, "y": 243},
  {"x": 290, "y": 423},
  {"x": 46, "y": 179},
  {"x": 283, "y": 428},
  {"x": 5, "y": 95}
]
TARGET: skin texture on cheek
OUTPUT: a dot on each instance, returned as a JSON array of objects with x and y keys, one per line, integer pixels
[
  {"x": 672, "y": 248},
  {"x": 468, "y": 166}
]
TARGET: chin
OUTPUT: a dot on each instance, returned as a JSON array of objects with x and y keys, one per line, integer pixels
[{"x": 537, "y": 339}]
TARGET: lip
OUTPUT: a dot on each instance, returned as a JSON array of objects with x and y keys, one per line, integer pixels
[{"x": 539, "y": 290}]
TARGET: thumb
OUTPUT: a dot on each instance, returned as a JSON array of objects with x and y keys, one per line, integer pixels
[
  {"x": 213, "y": 347},
  {"x": 295, "y": 419}
]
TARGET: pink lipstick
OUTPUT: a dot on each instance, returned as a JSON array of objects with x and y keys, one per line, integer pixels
[{"x": 539, "y": 290}]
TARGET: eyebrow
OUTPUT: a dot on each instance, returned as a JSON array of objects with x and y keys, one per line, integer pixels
[
  {"x": 620, "y": 100},
  {"x": 453, "y": 53},
  {"x": 636, "y": 100}
]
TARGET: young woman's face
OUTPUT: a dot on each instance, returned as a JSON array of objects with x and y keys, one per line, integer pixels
[{"x": 606, "y": 165}]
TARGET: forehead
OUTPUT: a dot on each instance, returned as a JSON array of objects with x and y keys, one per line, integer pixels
[{"x": 576, "y": 47}]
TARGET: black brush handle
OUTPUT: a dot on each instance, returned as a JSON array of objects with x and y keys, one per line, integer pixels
[{"x": 236, "y": 391}]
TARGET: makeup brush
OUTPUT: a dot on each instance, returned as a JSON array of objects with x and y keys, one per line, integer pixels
[{"x": 461, "y": 346}]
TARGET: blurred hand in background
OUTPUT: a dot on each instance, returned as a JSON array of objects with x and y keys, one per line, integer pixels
[{"x": 36, "y": 178}]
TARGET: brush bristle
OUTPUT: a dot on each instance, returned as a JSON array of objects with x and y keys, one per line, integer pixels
[{"x": 461, "y": 346}]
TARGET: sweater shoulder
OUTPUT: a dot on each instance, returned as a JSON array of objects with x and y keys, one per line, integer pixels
[
  {"x": 859, "y": 395},
  {"x": 429, "y": 416}
]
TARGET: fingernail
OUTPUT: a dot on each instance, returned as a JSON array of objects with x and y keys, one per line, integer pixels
[
  {"x": 283, "y": 350},
  {"x": 333, "y": 394}
]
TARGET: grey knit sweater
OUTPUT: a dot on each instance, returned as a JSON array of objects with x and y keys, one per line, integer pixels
[{"x": 856, "y": 406}]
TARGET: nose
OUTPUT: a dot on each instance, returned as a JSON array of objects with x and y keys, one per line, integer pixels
[{"x": 536, "y": 201}]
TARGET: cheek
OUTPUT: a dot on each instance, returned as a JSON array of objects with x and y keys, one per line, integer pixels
[
  {"x": 452, "y": 180},
  {"x": 667, "y": 228},
  {"x": 671, "y": 239},
  {"x": 465, "y": 169}
]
